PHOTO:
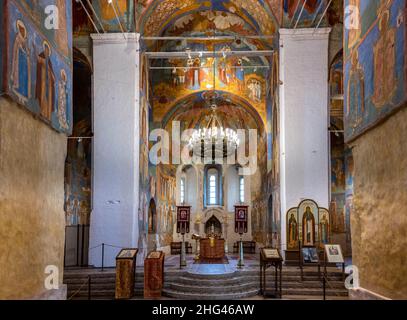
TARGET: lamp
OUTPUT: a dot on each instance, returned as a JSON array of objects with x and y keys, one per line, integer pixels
[{"x": 212, "y": 137}]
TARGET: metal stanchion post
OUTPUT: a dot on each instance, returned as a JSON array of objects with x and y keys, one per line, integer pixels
[
  {"x": 240, "y": 263},
  {"x": 89, "y": 287},
  {"x": 103, "y": 255},
  {"x": 183, "y": 260}
]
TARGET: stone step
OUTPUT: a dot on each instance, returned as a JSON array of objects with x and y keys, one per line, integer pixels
[
  {"x": 314, "y": 292},
  {"x": 219, "y": 289},
  {"x": 208, "y": 296},
  {"x": 223, "y": 287},
  {"x": 188, "y": 280}
]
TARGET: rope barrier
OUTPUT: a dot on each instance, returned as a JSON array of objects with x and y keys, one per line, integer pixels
[
  {"x": 329, "y": 284},
  {"x": 110, "y": 245},
  {"x": 80, "y": 288},
  {"x": 95, "y": 247}
]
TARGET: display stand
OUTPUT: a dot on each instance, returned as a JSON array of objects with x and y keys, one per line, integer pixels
[
  {"x": 315, "y": 263},
  {"x": 241, "y": 222},
  {"x": 334, "y": 259},
  {"x": 125, "y": 273},
  {"x": 270, "y": 257},
  {"x": 183, "y": 221},
  {"x": 154, "y": 274}
]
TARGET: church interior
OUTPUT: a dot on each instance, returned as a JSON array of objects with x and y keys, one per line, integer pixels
[{"x": 203, "y": 149}]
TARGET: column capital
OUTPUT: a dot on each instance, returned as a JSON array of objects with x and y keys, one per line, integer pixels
[
  {"x": 111, "y": 38},
  {"x": 305, "y": 33}
]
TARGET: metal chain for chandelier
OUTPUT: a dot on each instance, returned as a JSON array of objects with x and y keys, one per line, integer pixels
[{"x": 213, "y": 139}]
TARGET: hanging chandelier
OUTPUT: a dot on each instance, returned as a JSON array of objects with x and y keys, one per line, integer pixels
[{"x": 213, "y": 140}]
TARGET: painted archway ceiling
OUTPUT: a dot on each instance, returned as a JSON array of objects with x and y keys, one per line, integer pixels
[
  {"x": 261, "y": 16},
  {"x": 233, "y": 111}
]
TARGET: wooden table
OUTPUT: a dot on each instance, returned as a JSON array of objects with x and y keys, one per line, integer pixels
[{"x": 212, "y": 248}]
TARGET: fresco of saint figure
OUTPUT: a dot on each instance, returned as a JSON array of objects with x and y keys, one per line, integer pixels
[
  {"x": 308, "y": 227},
  {"x": 355, "y": 106},
  {"x": 63, "y": 101},
  {"x": 384, "y": 52},
  {"x": 194, "y": 74},
  {"x": 21, "y": 66},
  {"x": 239, "y": 75},
  {"x": 255, "y": 91},
  {"x": 45, "y": 83},
  {"x": 292, "y": 231},
  {"x": 324, "y": 229},
  {"x": 224, "y": 70}
]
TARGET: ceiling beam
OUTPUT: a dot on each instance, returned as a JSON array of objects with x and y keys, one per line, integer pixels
[
  {"x": 210, "y": 38},
  {"x": 208, "y": 54},
  {"x": 323, "y": 15},
  {"x": 232, "y": 67},
  {"x": 300, "y": 15}
]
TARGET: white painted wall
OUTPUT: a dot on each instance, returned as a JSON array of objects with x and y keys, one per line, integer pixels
[
  {"x": 303, "y": 118},
  {"x": 232, "y": 188},
  {"x": 116, "y": 145},
  {"x": 191, "y": 188}
]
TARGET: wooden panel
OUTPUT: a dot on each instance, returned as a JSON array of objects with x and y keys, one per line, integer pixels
[
  {"x": 212, "y": 249},
  {"x": 154, "y": 274},
  {"x": 125, "y": 273}
]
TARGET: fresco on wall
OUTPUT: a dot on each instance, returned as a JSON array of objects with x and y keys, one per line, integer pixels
[
  {"x": 349, "y": 169},
  {"x": 147, "y": 179},
  {"x": 38, "y": 61},
  {"x": 234, "y": 75},
  {"x": 166, "y": 196},
  {"x": 311, "y": 13},
  {"x": 181, "y": 89},
  {"x": 79, "y": 154},
  {"x": 262, "y": 16},
  {"x": 124, "y": 9},
  {"x": 375, "y": 55},
  {"x": 78, "y": 177},
  {"x": 338, "y": 183}
]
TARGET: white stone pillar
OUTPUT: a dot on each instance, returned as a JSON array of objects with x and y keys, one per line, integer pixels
[
  {"x": 115, "y": 189},
  {"x": 304, "y": 119}
]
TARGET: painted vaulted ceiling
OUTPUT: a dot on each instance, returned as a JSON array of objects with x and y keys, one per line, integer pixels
[
  {"x": 262, "y": 17},
  {"x": 157, "y": 17}
]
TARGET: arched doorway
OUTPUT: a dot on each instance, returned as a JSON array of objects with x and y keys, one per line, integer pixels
[
  {"x": 213, "y": 227},
  {"x": 78, "y": 166},
  {"x": 152, "y": 217}
]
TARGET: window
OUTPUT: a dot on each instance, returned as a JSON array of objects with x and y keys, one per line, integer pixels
[
  {"x": 212, "y": 189},
  {"x": 241, "y": 189},
  {"x": 182, "y": 189},
  {"x": 213, "y": 185}
]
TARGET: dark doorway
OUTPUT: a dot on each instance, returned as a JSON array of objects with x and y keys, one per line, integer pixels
[
  {"x": 152, "y": 217},
  {"x": 213, "y": 227}
]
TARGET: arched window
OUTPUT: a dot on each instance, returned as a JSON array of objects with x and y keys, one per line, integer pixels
[
  {"x": 182, "y": 190},
  {"x": 241, "y": 189},
  {"x": 213, "y": 186}
]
